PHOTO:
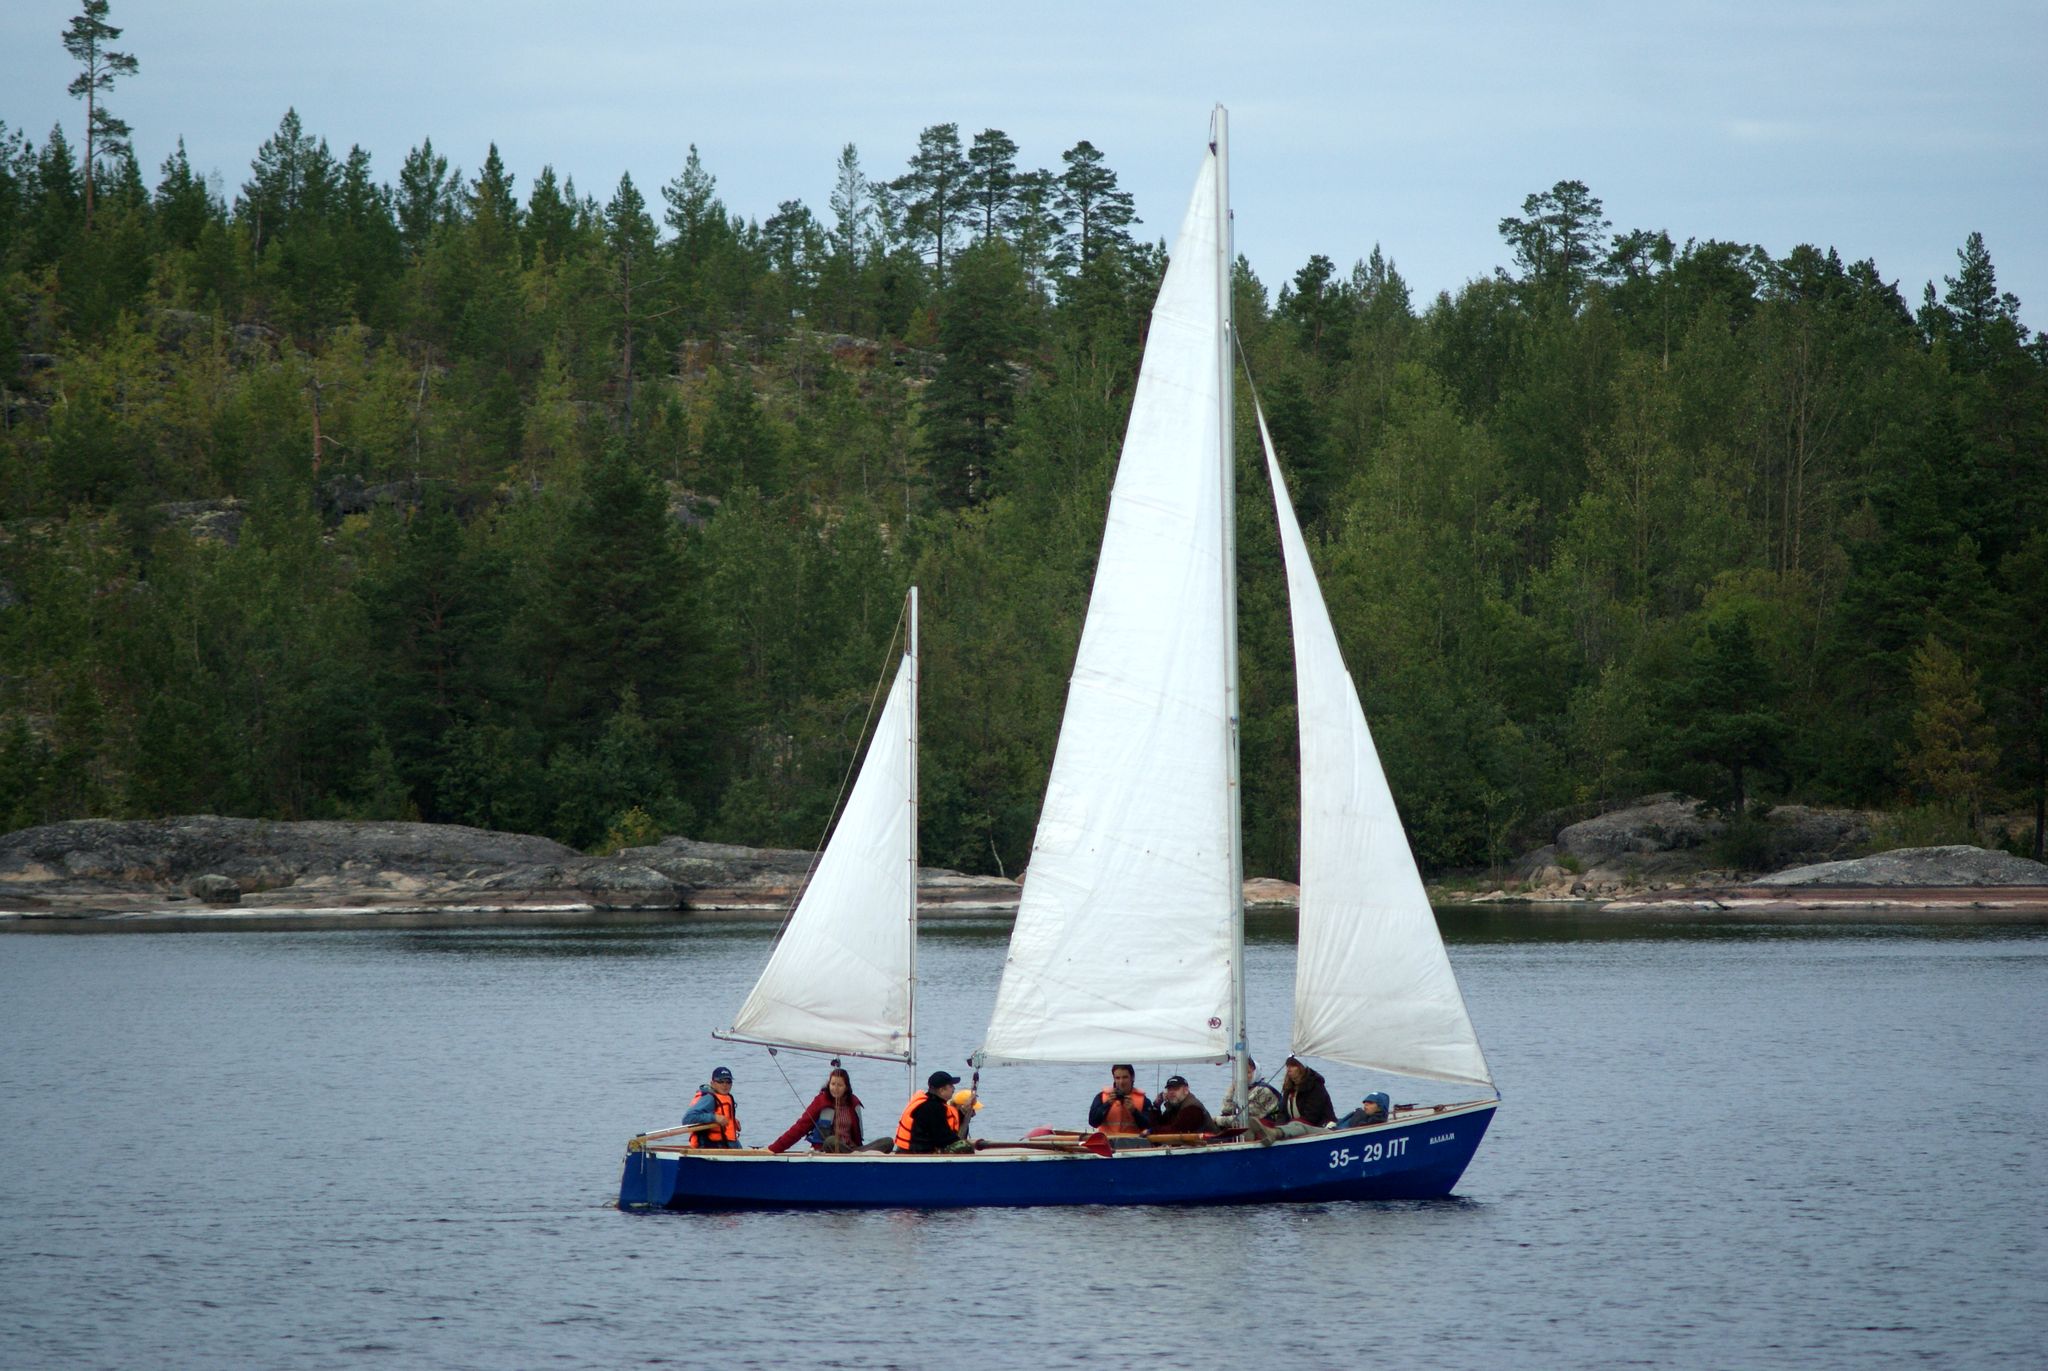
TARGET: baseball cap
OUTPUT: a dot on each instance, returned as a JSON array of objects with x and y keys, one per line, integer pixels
[
  {"x": 722, "y": 1073},
  {"x": 939, "y": 1078},
  {"x": 1172, "y": 1081}
]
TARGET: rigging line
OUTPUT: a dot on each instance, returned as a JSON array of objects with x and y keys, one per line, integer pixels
[
  {"x": 776, "y": 1058},
  {"x": 1244, "y": 362},
  {"x": 889, "y": 663}
]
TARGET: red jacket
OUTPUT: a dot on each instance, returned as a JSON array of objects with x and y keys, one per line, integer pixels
[{"x": 845, "y": 1122}]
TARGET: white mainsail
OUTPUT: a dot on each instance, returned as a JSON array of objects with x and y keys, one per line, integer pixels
[
  {"x": 839, "y": 979},
  {"x": 1372, "y": 985},
  {"x": 1123, "y": 943}
]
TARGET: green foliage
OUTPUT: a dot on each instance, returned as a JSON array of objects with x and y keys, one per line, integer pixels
[
  {"x": 1950, "y": 755},
  {"x": 404, "y": 498},
  {"x": 1932, "y": 824},
  {"x": 985, "y": 328},
  {"x": 1725, "y": 714},
  {"x": 1746, "y": 843}
]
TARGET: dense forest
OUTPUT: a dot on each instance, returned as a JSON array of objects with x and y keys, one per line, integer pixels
[{"x": 446, "y": 497}]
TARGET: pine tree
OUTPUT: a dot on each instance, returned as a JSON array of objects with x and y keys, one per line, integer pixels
[
  {"x": 935, "y": 193},
  {"x": 1726, "y": 710},
  {"x": 550, "y": 219},
  {"x": 973, "y": 395},
  {"x": 426, "y": 196},
  {"x": 1558, "y": 245},
  {"x": 614, "y": 613},
  {"x": 184, "y": 206},
  {"x": 493, "y": 211},
  {"x": 629, "y": 234},
  {"x": 1952, "y": 752},
  {"x": 1980, "y": 320},
  {"x": 85, "y": 38},
  {"x": 694, "y": 210},
  {"x": 1096, "y": 214},
  {"x": 992, "y": 182},
  {"x": 851, "y": 210},
  {"x": 290, "y": 180}
]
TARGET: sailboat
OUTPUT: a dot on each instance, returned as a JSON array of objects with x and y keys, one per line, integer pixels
[{"x": 1129, "y": 940}]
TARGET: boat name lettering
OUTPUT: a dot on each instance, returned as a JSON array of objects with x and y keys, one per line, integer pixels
[
  {"x": 1441, "y": 1137},
  {"x": 1368, "y": 1152}
]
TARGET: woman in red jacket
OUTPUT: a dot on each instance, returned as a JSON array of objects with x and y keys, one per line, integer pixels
[{"x": 831, "y": 1120}]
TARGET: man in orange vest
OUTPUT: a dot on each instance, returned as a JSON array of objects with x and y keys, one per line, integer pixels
[
  {"x": 931, "y": 1123},
  {"x": 712, "y": 1114},
  {"x": 1122, "y": 1108}
]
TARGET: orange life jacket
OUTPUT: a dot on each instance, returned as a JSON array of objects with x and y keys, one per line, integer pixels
[
  {"x": 1122, "y": 1117},
  {"x": 903, "y": 1124},
  {"x": 727, "y": 1133}
]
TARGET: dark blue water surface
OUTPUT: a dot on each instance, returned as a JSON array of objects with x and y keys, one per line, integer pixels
[{"x": 1726, "y": 1146}]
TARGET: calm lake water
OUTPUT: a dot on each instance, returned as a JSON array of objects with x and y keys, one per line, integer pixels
[{"x": 1721, "y": 1146}]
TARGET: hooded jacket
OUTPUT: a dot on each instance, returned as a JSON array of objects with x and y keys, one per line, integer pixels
[{"x": 1308, "y": 1101}]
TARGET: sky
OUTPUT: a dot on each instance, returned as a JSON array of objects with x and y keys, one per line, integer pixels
[{"x": 1888, "y": 129}]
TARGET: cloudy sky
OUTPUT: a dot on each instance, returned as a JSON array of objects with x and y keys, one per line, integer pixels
[{"x": 1884, "y": 128}]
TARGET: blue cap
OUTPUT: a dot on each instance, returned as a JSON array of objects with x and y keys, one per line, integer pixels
[{"x": 722, "y": 1073}]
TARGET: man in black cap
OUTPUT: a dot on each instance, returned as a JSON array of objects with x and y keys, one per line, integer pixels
[
  {"x": 712, "y": 1115},
  {"x": 1178, "y": 1111},
  {"x": 931, "y": 1123}
]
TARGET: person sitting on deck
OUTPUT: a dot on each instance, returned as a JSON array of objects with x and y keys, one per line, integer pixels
[
  {"x": 1122, "y": 1108},
  {"x": 966, "y": 1106},
  {"x": 712, "y": 1118},
  {"x": 1263, "y": 1102},
  {"x": 1308, "y": 1104},
  {"x": 930, "y": 1123},
  {"x": 831, "y": 1120},
  {"x": 1178, "y": 1111},
  {"x": 1376, "y": 1108}
]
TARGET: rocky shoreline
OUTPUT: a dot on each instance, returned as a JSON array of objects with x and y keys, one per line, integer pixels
[
  {"x": 252, "y": 873},
  {"x": 1650, "y": 858}
]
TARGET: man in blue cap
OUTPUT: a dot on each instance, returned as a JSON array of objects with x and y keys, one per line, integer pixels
[{"x": 712, "y": 1117}]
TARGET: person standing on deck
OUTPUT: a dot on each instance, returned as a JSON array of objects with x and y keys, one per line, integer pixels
[
  {"x": 1122, "y": 1108},
  {"x": 712, "y": 1118}
]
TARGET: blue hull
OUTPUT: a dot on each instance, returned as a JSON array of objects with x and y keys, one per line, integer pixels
[{"x": 1412, "y": 1160}]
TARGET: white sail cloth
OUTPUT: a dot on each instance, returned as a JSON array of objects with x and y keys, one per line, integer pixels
[
  {"x": 1122, "y": 944},
  {"x": 1372, "y": 986},
  {"x": 839, "y": 978}
]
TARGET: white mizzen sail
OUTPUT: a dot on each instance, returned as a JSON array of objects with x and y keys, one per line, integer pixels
[
  {"x": 839, "y": 979},
  {"x": 1372, "y": 986},
  {"x": 1122, "y": 946}
]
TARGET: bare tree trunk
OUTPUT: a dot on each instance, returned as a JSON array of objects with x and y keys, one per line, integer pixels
[{"x": 88, "y": 153}]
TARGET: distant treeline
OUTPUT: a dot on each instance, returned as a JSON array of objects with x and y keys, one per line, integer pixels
[{"x": 449, "y": 498}]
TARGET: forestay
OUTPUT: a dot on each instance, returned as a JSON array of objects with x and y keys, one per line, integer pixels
[
  {"x": 839, "y": 978},
  {"x": 1122, "y": 944},
  {"x": 1372, "y": 985}
]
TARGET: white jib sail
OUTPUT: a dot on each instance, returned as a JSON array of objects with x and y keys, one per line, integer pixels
[
  {"x": 1121, "y": 950},
  {"x": 1372, "y": 986},
  {"x": 839, "y": 978}
]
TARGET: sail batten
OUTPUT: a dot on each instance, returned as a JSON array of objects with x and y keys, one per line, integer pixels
[
  {"x": 839, "y": 979},
  {"x": 1373, "y": 986},
  {"x": 1122, "y": 946}
]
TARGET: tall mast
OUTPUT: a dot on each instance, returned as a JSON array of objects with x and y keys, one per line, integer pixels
[
  {"x": 1219, "y": 142},
  {"x": 911, "y": 1017}
]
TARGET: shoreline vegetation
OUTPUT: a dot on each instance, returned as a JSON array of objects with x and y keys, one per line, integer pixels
[
  {"x": 333, "y": 491},
  {"x": 209, "y": 872}
]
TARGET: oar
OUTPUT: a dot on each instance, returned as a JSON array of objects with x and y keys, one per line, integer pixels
[
  {"x": 1185, "y": 1139},
  {"x": 1096, "y": 1143}
]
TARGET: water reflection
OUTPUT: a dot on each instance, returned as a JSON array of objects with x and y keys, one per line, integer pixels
[{"x": 1462, "y": 925}]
